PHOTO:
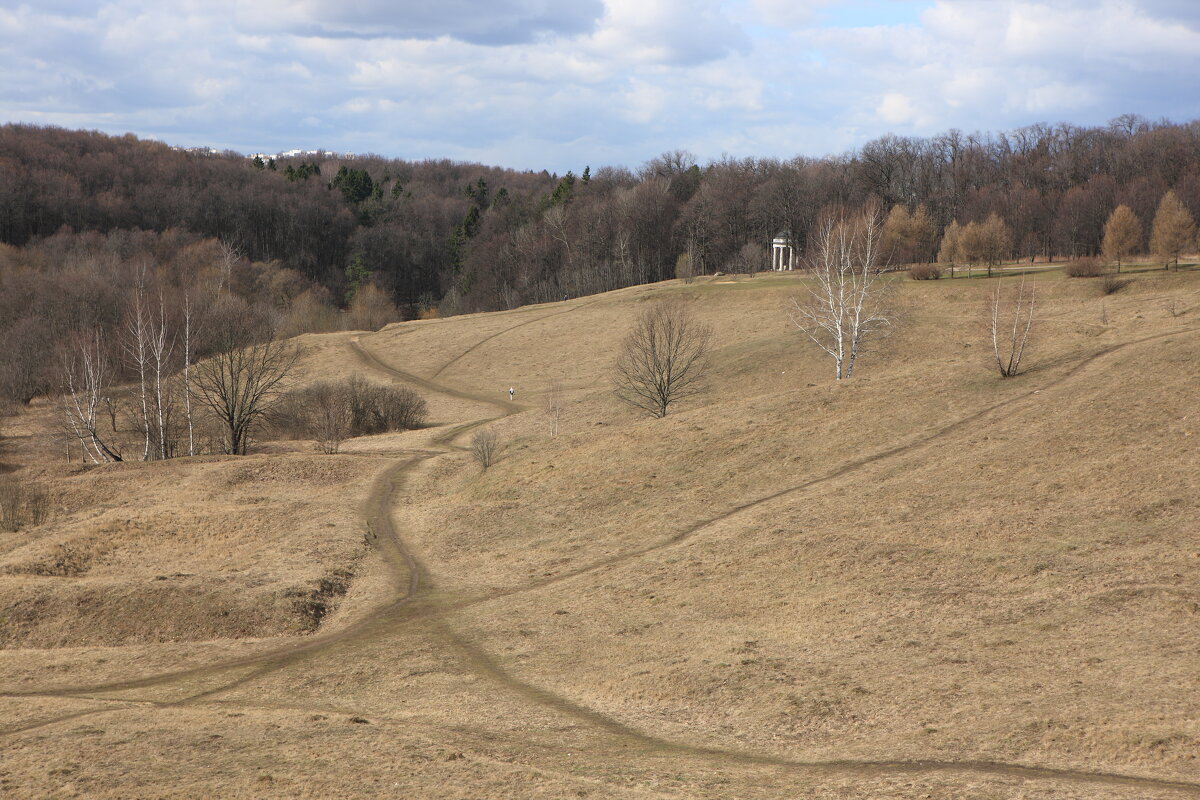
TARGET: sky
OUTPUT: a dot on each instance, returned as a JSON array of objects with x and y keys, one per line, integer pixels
[{"x": 560, "y": 84}]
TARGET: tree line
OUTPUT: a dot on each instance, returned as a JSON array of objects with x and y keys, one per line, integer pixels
[{"x": 464, "y": 237}]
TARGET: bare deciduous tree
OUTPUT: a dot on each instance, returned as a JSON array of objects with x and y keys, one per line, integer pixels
[
  {"x": 187, "y": 372},
  {"x": 86, "y": 377},
  {"x": 846, "y": 300},
  {"x": 1009, "y": 340},
  {"x": 162, "y": 345},
  {"x": 664, "y": 358},
  {"x": 230, "y": 256},
  {"x": 239, "y": 383},
  {"x": 135, "y": 343},
  {"x": 554, "y": 407},
  {"x": 484, "y": 445},
  {"x": 330, "y": 416}
]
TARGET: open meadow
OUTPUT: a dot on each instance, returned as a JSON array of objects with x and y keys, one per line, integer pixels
[{"x": 926, "y": 581}]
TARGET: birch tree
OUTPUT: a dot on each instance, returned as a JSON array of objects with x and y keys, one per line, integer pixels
[
  {"x": 87, "y": 375},
  {"x": 1009, "y": 338},
  {"x": 845, "y": 304},
  {"x": 135, "y": 344},
  {"x": 187, "y": 374},
  {"x": 161, "y": 347}
]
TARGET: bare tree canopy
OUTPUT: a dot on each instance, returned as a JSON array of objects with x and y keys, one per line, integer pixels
[
  {"x": 664, "y": 358},
  {"x": 845, "y": 303},
  {"x": 87, "y": 377},
  {"x": 239, "y": 384}
]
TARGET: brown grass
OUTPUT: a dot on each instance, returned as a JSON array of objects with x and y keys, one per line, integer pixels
[{"x": 920, "y": 582}]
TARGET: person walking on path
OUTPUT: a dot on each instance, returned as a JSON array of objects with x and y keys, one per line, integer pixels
[{"x": 511, "y": 392}]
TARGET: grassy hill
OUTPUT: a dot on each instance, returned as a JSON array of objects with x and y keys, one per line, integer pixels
[{"x": 927, "y": 581}]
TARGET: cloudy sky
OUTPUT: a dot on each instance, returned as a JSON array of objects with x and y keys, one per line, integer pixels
[{"x": 559, "y": 84}]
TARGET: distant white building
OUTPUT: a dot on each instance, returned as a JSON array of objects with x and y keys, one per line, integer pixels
[{"x": 783, "y": 253}]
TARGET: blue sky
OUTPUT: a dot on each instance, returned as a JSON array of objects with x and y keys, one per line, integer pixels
[{"x": 559, "y": 84}]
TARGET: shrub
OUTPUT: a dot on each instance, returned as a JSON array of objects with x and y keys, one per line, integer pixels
[
  {"x": 329, "y": 413},
  {"x": 1089, "y": 267},
  {"x": 924, "y": 272},
  {"x": 310, "y": 312},
  {"x": 750, "y": 259},
  {"x": 21, "y": 505},
  {"x": 376, "y": 408},
  {"x": 371, "y": 309},
  {"x": 483, "y": 447},
  {"x": 1112, "y": 284}
]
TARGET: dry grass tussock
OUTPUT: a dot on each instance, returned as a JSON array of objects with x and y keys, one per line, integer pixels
[{"x": 924, "y": 563}]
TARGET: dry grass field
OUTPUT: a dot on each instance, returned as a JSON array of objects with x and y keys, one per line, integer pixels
[{"x": 924, "y": 582}]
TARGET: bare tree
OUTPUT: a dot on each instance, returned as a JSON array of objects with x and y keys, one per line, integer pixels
[
  {"x": 664, "y": 358},
  {"x": 554, "y": 407},
  {"x": 330, "y": 416},
  {"x": 86, "y": 377},
  {"x": 484, "y": 445},
  {"x": 1008, "y": 341},
  {"x": 135, "y": 343},
  {"x": 239, "y": 383},
  {"x": 161, "y": 346},
  {"x": 230, "y": 256},
  {"x": 187, "y": 372},
  {"x": 846, "y": 299}
]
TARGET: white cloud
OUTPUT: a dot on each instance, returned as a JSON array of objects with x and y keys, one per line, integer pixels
[
  {"x": 896, "y": 108},
  {"x": 788, "y": 13},
  {"x": 541, "y": 83},
  {"x": 495, "y": 22}
]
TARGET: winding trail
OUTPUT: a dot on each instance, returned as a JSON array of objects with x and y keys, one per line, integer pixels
[
  {"x": 487, "y": 339},
  {"x": 412, "y": 602}
]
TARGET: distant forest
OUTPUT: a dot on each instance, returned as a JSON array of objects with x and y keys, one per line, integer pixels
[
  {"x": 467, "y": 237},
  {"x": 89, "y": 220}
]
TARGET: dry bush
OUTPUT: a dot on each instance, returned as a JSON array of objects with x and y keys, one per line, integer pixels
[
  {"x": 329, "y": 417},
  {"x": 1089, "y": 267},
  {"x": 310, "y": 312},
  {"x": 21, "y": 504},
  {"x": 685, "y": 269},
  {"x": 371, "y": 309},
  {"x": 377, "y": 408},
  {"x": 330, "y": 413},
  {"x": 924, "y": 272},
  {"x": 484, "y": 445},
  {"x": 749, "y": 259},
  {"x": 1112, "y": 284},
  {"x": 429, "y": 313}
]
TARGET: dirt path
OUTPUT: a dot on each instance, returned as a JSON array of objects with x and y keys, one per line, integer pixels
[
  {"x": 412, "y": 588},
  {"x": 487, "y": 339}
]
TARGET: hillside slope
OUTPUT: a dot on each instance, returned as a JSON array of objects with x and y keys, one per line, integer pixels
[{"x": 927, "y": 581}]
